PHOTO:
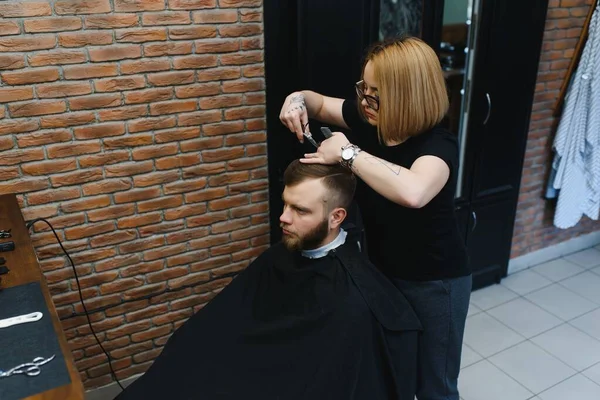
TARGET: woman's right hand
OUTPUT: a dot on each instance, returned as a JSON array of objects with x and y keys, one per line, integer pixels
[{"x": 294, "y": 114}]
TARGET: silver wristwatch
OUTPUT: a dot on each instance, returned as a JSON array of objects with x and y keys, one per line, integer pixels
[{"x": 349, "y": 153}]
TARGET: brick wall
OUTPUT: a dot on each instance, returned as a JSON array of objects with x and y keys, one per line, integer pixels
[
  {"x": 534, "y": 228},
  {"x": 136, "y": 127}
]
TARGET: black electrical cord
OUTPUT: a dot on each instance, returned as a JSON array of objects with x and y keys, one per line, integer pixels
[{"x": 29, "y": 225}]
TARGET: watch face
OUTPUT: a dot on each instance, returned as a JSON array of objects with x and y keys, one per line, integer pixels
[{"x": 347, "y": 154}]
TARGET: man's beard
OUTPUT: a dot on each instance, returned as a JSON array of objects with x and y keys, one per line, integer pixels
[{"x": 311, "y": 240}]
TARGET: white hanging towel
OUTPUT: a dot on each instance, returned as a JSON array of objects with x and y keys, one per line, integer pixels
[{"x": 577, "y": 143}]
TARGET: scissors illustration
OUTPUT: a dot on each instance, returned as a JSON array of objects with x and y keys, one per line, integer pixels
[{"x": 29, "y": 369}]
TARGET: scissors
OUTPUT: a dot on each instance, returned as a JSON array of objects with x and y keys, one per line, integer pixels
[
  {"x": 28, "y": 369},
  {"x": 5, "y": 233},
  {"x": 324, "y": 130}
]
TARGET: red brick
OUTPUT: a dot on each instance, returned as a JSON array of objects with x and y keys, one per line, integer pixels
[
  {"x": 106, "y": 186},
  {"x": 152, "y": 333},
  {"x": 104, "y": 158},
  {"x": 6, "y": 142},
  {"x": 111, "y": 21},
  {"x": 207, "y": 219},
  {"x": 237, "y": 30},
  {"x": 57, "y": 24},
  {"x": 167, "y": 49},
  {"x": 128, "y": 141},
  {"x": 221, "y": 102},
  {"x": 27, "y": 43},
  {"x": 195, "y": 62},
  {"x": 49, "y": 167},
  {"x": 82, "y": 7},
  {"x": 245, "y": 138},
  {"x": 245, "y": 112},
  {"x": 185, "y": 211},
  {"x": 24, "y": 185},
  {"x": 207, "y": 194},
  {"x": 148, "y": 124},
  {"x": 248, "y": 57},
  {"x": 215, "y": 16},
  {"x": 18, "y": 126},
  {"x": 143, "y": 244},
  {"x": 9, "y": 28},
  {"x": 192, "y": 32},
  {"x": 74, "y": 178},
  {"x": 199, "y": 118},
  {"x": 191, "y": 4},
  {"x": 228, "y": 178},
  {"x": 123, "y": 113},
  {"x": 203, "y": 170},
  {"x": 95, "y": 101},
  {"x": 63, "y": 89},
  {"x": 56, "y": 57},
  {"x": 255, "y": 98},
  {"x": 166, "y": 18},
  {"x": 246, "y": 163},
  {"x": 11, "y": 61},
  {"x": 217, "y": 46},
  {"x": 136, "y": 221},
  {"x": 88, "y": 230},
  {"x": 129, "y": 169},
  {"x": 243, "y": 86},
  {"x": 155, "y": 178},
  {"x": 177, "y": 161},
  {"x": 34, "y": 75},
  {"x": 121, "y": 285},
  {"x": 73, "y": 149},
  {"x": 145, "y": 65},
  {"x": 163, "y": 203},
  {"x": 81, "y": 39},
  {"x": 69, "y": 119},
  {"x": 198, "y": 90},
  {"x": 239, "y": 3},
  {"x": 148, "y": 152},
  {"x": 44, "y": 137},
  {"x": 221, "y": 73},
  {"x": 31, "y": 213},
  {"x": 21, "y": 156},
  {"x": 90, "y": 71},
  {"x": 177, "y": 134},
  {"x": 120, "y": 84},
  {"x": 172, "y": 107},
  {"x": 171, "y": 78},
  {"x": 25, "y": 9},
  {"x": 250, "y": 16},
  {"x": 8, "y": 173},
  {"x": 254, "y": 71},
  {"x": 34, "y": 108},
  {"x": 148, "y": 95},
  {"x": 10, "y": 94},
  {"x": 114, "y": 212},
  {"x": 139, "y": 5},
  {"x": 222, "y": 154},
  {"x": 139, "y": 35},
  {"x": 115, "y": 52}
]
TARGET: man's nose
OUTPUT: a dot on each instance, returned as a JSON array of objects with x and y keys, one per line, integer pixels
[{"x": 285, "y": 217}]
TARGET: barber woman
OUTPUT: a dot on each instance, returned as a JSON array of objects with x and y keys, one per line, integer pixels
[{"x": 408, "y": 165}]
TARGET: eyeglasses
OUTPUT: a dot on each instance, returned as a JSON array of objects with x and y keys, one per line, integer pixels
[{"x": 372, "y": 101}]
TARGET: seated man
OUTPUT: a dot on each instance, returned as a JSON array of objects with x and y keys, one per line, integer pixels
[{"x": 310, "y": 318}]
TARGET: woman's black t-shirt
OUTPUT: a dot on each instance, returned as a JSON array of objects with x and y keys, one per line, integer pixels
[{"x": 416, "y": 244}]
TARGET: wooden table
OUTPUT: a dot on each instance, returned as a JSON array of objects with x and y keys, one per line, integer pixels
[{"x": 24, "y": 268}]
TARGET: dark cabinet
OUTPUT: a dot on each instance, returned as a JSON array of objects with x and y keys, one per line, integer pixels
[{"x": 319, "y": 45}]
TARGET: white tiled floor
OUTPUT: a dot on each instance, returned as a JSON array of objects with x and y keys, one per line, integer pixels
[{"x": 537, "y": 334}]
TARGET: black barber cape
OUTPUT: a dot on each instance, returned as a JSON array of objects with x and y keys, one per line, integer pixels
[{"x": 290, "y": 327}]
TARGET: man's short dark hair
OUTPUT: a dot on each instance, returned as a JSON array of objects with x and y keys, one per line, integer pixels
[{"x": 339, "y": 181}]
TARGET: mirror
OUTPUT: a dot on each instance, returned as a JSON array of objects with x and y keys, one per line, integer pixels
[{"x": 398, "y": 17}]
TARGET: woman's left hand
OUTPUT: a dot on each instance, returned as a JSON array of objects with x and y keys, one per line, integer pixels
[{"x": 329, "y": 151}]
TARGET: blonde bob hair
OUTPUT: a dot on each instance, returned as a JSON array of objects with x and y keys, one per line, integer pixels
[{"x": 411, "y": 87}]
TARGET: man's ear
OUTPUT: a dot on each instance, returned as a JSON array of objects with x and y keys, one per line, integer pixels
[{"x": 336, "y": 217}]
